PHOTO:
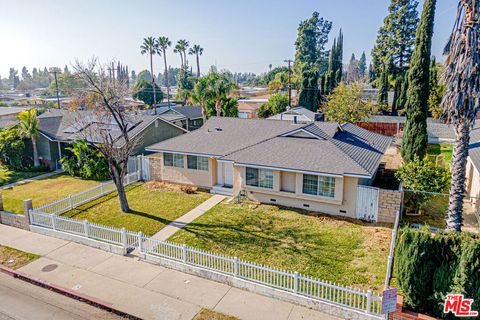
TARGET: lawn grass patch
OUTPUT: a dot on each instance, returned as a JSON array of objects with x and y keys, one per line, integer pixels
[
  {"x": 346, "y": 252},
  {"x": 433, "y": 150},
  {"x": 434, "y": 213},
  {"x": 207, "y": 314},
  {"x": 8, "y": 176},
  {"x": 14, "y": 259},
  {"x": 151, "y": 209},
  {"x": 43, "y": 191}
]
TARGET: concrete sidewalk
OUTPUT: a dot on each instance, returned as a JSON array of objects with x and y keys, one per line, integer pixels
[
  {"x": 188, "y": 217},
  {"x": 139, "y": 288}
]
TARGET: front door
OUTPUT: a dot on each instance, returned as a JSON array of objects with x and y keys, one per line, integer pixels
[{"x": 228, "y": 174}]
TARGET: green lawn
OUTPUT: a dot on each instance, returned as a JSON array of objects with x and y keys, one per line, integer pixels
[
  {"x": 10, "y": 176},
  {"x": 351, "y": 253},
  {"x": 434, "y": 150},
  {"x": 151, "y": 209},
  {"x": 43, "y": 191}
]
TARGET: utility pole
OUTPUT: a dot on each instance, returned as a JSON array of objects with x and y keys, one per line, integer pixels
[
  {"x": 55, "y": 71},
  {"x": 289, "y": 82}
]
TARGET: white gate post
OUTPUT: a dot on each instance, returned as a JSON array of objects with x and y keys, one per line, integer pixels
[
  {"x": 53, "y": 222},
  {"x": 235, "y": 266},
  {"x": 140, "y": 241},
  {"x": 124, "y": 240},
  {"x": 86, "y": 227},
  {"x": 70, "y": 201},
  {"x": 140, "y": 167},
  {"x": 295, "y": 282},
  {"x": 184, "y": 253},
  {"x": 369, "y": 301}
]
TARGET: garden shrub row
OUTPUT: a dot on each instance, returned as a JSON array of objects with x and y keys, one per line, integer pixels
[{"x": 430, "y": 265}]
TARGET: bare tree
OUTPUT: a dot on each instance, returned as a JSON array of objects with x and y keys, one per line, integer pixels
[
  {"x": 107, "y": 122},
  {"x": 461, "y": 99}
]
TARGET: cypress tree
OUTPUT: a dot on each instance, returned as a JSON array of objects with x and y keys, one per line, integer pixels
[
  {"x": 415, "y": 140},
  {"x": 362, "y": 64},
  {"x": 382, "y": 99}
]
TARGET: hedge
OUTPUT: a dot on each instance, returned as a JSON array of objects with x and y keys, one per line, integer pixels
[{"x": 430, "y": 265}]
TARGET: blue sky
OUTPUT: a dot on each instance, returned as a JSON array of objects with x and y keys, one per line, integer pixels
[{"x": 243, "y": 35}]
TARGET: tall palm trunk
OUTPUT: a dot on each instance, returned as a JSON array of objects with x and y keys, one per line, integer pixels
[
  {"x": 36, "y": 162},
  {"x": 198, "y": 66},
  {"x": 218, "y": 107},
  {"x": 457, "y": 186},
  {"x": 166, "y": 76},
  {"x": 153, "y": 85}
]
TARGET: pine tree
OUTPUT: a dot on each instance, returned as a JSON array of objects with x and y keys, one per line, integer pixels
[
  {"x": 396, "y": 37},
  {"x": 371, "y": 74},
  {"x": 362, "y": 65},
  {"x": 415, "y": 140},
  {"x": 382, "y": 99}
]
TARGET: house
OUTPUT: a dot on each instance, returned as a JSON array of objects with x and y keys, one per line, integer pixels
[
  {"x": 473, "y": 169},
  {"x": 59, "y": 128},
  {"x": 187, "y": 117},
  {"x": 299, "y": 114},
  {"x": 8, "y": 116},
  {"x": 248, "y": 110},
  {"x": 315, "y": 165}
]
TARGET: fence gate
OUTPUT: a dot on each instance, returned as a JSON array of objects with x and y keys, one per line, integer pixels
[
  {"x": 145, "y": 167},
  {"x": 367, "y": 203}
]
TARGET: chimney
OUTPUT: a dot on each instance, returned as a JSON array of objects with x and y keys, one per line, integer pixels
[{"x": 294, "y": 121}]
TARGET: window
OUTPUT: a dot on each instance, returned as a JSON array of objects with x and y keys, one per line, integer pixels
[
  {"x": 197, "y": 163},
  {"x": 319, "y": 186},
  {"x": 173, "y": 160},
  {"x": 261, "y": 178}
]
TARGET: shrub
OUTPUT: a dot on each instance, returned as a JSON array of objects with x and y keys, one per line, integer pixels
[
  {"x": 86, "y": 162},
  {"x": 429, "y": 266},
  {"x": 12, "y": 150},
  {"x": 188, "y": 189}
]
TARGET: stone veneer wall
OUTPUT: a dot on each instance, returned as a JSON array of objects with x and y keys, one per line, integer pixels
[
  {"x": 14, "y": 220},
  {"x": 389, "y": 202}
]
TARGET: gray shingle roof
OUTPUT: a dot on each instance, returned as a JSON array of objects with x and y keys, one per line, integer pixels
[
  {"x": 63, "y": 125},
  {"x": 339, "y": 150}
]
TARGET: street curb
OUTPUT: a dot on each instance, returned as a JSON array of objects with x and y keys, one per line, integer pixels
[{"x": 67, "y": 292}]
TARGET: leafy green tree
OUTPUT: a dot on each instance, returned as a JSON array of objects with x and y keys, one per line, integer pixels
[
  {"x": 68, "y": 84},
  {"x": 12, "y": 149},
  {"x": 85, "y": 162},
  {"x": 29, "y": 127},
  {"x": 277, "y": 103},
  {"x": 460, "y": 102},
  {"x": 415, "y": 139},
  {"x": 201, "y": 94},
  {"x": 220, "y": 86},
  {"x": 150, "y": 47},
  {"x": 437, "y": 90},
  {"x": 279, "y": 83},
  {"x": 197, "y": 51},
  {"x": 163, "y": 44},
  {"x": 143, "y": 91},
  {"x": 144, "y": 75},
  {"x": 396, "y": 37},
  {"x": 186, "y": 83},
  {"x": 309, "y": 96},
  {"x": 347, "y": 104},
  {"x": 13, "y": 78}
]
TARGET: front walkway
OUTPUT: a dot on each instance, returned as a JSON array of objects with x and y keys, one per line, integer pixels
[
  {"x": 42, "y": 176},
  {"x": 139, "y": 288},
  {"x": 188, "y": 217}
]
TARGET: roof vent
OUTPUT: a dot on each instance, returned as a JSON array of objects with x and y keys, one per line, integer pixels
[{"x": 218, "y": 129}]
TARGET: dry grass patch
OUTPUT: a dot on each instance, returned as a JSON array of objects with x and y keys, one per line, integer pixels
[
  {"x": 14, "y": 259},
  {"x": 207, "y": 314}
]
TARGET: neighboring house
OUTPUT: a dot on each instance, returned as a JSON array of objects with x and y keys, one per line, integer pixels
[
  {"x": 248, "y": 108},
  {"x": 299, "y": 114},
  {"x": 59, "y": 128},
  {"x": 187, "y": 117},
  {"x": 473, "y": 169},
  {"x": 8, "y": 116},
  {"x": 315, "y": 166}
]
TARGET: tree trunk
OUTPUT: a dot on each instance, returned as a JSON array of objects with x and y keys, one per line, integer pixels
[
  {"x": 153, "y": 85},
  {"x": 218, "y": 107},
  {"x": 204, "y": 112},
  {"x": 198, "y": 66},
  {"x": 457, "y": 186},
  {"x": 36, "y": 162},
  {"x": 166, "y": 76},
  {"x": 118, "y": 180}
]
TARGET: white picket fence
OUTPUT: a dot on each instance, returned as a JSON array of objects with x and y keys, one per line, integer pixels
[{"x": 72, "y": 201}]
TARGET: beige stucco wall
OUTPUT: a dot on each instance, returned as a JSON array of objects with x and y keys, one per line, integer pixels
[
  {"x": 182, "y": 175},
  {"x": 473, "y": 184},
  {"x": 342, "y": 205}
]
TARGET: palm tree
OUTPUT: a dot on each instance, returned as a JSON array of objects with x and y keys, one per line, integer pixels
[
  {"x": 181, "y": 48},
  {"x": 201, "y": 94},
  {"x": 150, "y": 46},
  {"x": 197, "y": 51},
  {"x": 163, "y": 44},
  {"x": 219, "y": 86},
  {"x": 461, "y": 98},
  {"x": 29, "y": 128}
]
